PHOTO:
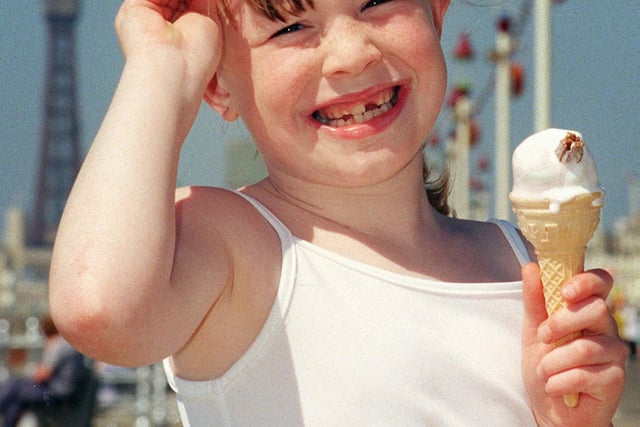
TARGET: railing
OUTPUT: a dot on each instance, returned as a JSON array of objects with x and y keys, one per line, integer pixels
[
  {"x": 150, "y": 406},
  {"x": 21, "y": 351}
]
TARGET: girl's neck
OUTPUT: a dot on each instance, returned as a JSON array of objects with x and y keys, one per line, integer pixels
[{"x": 396, "y": 208}]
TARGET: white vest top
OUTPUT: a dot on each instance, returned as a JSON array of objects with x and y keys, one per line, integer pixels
[{"x": 349, "y": 344}]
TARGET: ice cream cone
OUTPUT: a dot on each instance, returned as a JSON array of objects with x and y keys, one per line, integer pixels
[{"x": 560, "y": 241}]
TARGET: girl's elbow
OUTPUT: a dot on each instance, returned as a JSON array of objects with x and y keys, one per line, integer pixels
[{"x": 85, "y": 325}]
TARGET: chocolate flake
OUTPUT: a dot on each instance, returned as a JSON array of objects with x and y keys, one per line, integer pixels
[{"x": 571, "y": 148}]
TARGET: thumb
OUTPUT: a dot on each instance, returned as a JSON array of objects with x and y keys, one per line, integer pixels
[{"x": 535, "y": 311}]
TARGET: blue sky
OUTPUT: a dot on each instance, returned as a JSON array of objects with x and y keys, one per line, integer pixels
[{"x": 596, "y": 87}]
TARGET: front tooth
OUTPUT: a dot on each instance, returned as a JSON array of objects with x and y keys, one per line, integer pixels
[
  {"x": 358, "y": 109},
  {"x": 337, "y": 113},
  {"x": 338, "y": 117}
]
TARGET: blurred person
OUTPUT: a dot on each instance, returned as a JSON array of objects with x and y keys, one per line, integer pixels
[{"x": 48, "y": 384}]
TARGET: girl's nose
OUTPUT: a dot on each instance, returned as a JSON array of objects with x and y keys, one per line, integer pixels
[{"x": 349, "y": 48}]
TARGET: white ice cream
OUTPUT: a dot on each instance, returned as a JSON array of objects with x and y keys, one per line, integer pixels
[{"x": 540, "y": 175}]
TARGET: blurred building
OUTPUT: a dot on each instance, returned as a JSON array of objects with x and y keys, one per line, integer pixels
[
  {"x": 618, "y": 251},
  {"x": 23, "y": 296},
  {"x": 244, "y": 164},
  {"x": 23, "y": 271}
]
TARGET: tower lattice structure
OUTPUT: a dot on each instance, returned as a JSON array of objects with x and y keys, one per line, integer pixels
[{"x": 60, "y": 141}]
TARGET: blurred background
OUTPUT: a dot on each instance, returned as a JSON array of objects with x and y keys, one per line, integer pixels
[{"x": 514, "y": 66}]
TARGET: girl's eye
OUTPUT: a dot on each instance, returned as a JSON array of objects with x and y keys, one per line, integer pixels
[
  {"x": 373, "y": 3},
  {"x": 290, "y": 29}
]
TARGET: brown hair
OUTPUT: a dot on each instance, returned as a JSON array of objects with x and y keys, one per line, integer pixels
[
  {"x": 276, "y": 10},
  {"x": 279, "y": 10},
  {"x": 437, "y": 189}
]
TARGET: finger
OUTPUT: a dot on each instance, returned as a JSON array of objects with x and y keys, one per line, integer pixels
[
  {"x": 179, "y": 8},
  {"x": 204, "y": 7},
  {"x": 590, "y": 317},
  {"x": 166, "y": 8},
  {"x": 584, "y": 351},
  {"x": 208, "y": 8},
  {"x": 597, "y": 282},
  {"x": 533, "y": 302},
  {"x": 597, "y": 381},
  {"x": 532, "y": 295}
]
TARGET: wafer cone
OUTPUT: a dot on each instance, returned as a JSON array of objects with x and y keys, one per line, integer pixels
[{"x": 560, "y": 241}]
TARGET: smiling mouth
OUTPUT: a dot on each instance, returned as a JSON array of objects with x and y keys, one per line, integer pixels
[{"x": 358, "y": 112}]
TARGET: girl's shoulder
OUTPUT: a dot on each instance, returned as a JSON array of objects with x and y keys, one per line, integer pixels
[
  {"x": 492, "y": 249},
  {"x": 220, "y": 217}
]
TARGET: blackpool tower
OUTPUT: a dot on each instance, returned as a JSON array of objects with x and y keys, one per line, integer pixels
[{"x": 59, "y": 160}]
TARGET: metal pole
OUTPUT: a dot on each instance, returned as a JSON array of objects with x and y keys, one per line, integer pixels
[
  {"x": 542, "y": 49},
  {"x": 503, "y": 120},
  {"x": 460, "y": 154}
]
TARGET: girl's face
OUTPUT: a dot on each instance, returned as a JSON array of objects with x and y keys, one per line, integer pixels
[{"x": 343, "y": 94}]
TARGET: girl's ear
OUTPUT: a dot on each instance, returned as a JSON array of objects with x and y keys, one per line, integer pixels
[
  {"x": 439, "y": 10},
  {"x": 220, "y": 100}
]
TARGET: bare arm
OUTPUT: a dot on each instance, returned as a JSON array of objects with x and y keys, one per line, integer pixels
[{"x": 112, "y": 293}]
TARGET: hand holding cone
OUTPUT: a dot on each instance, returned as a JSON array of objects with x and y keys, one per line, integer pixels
[{"x": 560, "y": 241}]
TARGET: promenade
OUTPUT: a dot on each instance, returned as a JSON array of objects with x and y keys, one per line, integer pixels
[{"x": 628, "y": 414}]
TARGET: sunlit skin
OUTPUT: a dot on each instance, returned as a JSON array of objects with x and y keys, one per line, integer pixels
[
  {"x": 341, "y": 52},
  {"x": 339, "y": 101}
]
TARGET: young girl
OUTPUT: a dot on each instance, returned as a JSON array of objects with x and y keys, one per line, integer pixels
[{"x": 332, "y": 292}]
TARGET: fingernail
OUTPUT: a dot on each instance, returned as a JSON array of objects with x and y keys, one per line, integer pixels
[
  {"x": 569, "y": 292},
  {"x": 544, "y": 333}
]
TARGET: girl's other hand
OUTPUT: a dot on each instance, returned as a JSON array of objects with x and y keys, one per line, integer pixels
[
  {"x": 592, "y": 365},
  {"x": 173, "y": 33}
]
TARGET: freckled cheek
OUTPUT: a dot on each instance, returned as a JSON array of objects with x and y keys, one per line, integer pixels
[
  {"x": 425, "y": 55},
  {"x": 415, "y": 36},
  {"x": 418, "y": 47},
  {"x": 282, "y": 81}
]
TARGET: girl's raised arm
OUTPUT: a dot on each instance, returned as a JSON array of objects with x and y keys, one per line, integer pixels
[{"x": 111, "y": 288}]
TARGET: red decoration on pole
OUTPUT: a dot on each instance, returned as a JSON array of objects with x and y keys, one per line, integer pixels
[
  {"x": 476, "y": 184},
  {"x": 483, "y": 163},
  {"x": 517, "y": 78},
  {"x": 464, "y": 49},
  {"x": 504, "y": 24},
  {"x": 459, "y": 90},
  {"x": 475, "y": 132}
]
